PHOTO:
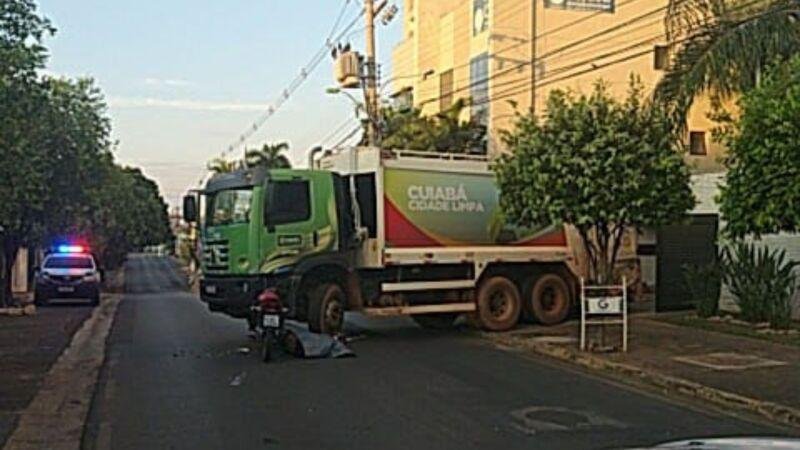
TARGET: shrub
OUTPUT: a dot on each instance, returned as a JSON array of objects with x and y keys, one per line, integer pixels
[
  {"x": 704, "y": 282},
  {"x": 762, "y": 282}
]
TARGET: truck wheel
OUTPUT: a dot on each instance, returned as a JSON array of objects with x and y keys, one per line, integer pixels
[
  {"x": 498, "y": 304},
  {"x": 326, "y": 305},
  {"x": 440, "y": 321},
  {"x": 550, "y": 300}
]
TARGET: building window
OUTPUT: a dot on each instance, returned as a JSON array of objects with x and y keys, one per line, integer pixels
[
  {"x": 446, "y": 90},
  {"x": 480, "y": 16},
  {"x": 697, "y": 143},
  {"x": 404, "y": 99},
  {"x": 479, "y": 92},
  {"x": 661, "y": 57}
]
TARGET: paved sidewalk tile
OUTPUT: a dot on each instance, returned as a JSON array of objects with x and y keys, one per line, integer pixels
[
  {"x": 752, "y": 368},
  {"x": 28, "y": 348}
]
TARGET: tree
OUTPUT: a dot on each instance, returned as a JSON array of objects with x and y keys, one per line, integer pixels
[
  {"x": 761, "y": 193},
  {"x": 408, "y": 129},
  {"x": 222, "y": 165},
  {"x": 722, "y": 47},
  {"x": 596, "y": 163},
  {"x": 58, "y": 175},
  {"x": 23, "y": 101},
  {"x": 270, "y": 156}
]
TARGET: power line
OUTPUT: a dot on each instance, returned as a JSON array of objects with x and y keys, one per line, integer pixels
[
  {"x": 595, "y": 67},
  {"x": 303, "y": 75},
  {"x": 348, "y": 136},
  {"x": 336, "y": 131},
  {"x": 570, "y": 46}
]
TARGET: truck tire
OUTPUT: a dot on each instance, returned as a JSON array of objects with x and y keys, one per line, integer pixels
[
  {"x": 498, "y": 304},
  {"x": 326, "y": 305},
  {"x": 549, "y": 300},
  {"x": 439, "y": 321}
]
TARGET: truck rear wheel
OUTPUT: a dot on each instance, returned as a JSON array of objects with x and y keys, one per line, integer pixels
[
  {"x": 439, "y": 321},
  {"x": 326, "y": 305},
  {"x": 498, "y": 303},
  {"x": 549, "y": 301}
]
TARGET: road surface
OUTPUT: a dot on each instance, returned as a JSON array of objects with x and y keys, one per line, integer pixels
[{"x": 175, "y": 378}]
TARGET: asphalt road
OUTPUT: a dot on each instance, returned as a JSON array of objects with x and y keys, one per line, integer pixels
[{"x": 175, "y": 378}]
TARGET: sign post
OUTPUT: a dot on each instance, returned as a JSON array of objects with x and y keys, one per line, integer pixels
[{"x": 602, "y": 306}]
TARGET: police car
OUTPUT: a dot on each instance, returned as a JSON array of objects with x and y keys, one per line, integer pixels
[{"x": 70, "y": 272}]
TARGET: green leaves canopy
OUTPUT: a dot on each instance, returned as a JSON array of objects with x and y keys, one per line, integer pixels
[
  {"x": 408, "y": 129},
  {"x": 762, "y": 189},
  {"x": 596, "y": 163},
  {"x": 57, "y": 174},
  {"x": 722, "y": 46}
]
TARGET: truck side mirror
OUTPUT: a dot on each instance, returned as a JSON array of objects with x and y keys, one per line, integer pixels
[{"x": 190, "y": 208}]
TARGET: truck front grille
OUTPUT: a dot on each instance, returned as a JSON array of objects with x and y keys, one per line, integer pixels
[{"x": 215, "y": 255}]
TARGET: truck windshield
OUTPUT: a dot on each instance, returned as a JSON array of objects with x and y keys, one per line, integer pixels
[{"x": 229, "y": 207}]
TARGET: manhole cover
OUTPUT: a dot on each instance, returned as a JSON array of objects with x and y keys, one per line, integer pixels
[
  {"x": 536, "y": 419},
  {"x": 729, "y": 361}
]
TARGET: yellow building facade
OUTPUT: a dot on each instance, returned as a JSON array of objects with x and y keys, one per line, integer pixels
[{"x": 482, "y": 50}]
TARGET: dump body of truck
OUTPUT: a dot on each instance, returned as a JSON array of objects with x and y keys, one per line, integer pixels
[{"x": 385, "y": 233}]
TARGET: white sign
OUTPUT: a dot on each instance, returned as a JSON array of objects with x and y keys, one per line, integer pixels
[{"x": 604, "y": 305}]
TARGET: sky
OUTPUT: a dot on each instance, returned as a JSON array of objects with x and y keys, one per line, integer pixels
[{"x": 185, "y": 78}]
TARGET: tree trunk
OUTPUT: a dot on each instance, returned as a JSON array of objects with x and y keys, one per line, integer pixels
[{"x": 10, "y": 249}]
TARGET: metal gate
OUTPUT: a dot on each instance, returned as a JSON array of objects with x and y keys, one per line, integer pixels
[{"x": 692, "y": 242}]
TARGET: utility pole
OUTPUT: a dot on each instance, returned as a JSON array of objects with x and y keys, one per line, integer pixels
[
  {"x": 371, "y": 92},
  {"x": 533, "y": 56}
]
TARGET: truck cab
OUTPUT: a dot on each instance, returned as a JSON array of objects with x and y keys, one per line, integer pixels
[{"x": 258, "y": 226}]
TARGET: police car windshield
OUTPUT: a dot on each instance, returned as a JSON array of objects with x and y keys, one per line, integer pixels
[{"x": 69, "y": 262}]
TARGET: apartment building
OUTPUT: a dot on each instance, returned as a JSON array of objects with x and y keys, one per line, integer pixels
[{"x": 482, "y": 50}]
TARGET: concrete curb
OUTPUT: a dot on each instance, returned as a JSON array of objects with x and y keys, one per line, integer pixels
[
  {"x": 728, "y": 400},
  {"x": 56, "y": 415}
]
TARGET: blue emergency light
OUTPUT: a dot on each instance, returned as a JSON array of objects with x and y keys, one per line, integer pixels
[{"x": 71, "y": 249}]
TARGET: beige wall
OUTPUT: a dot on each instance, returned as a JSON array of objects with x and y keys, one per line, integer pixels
[{"x": 438, "y": 36}]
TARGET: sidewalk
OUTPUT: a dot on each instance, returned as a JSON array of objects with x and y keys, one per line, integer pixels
[
  {"x": 29, "y": 346},
  {"x": 730, "y": 371}
]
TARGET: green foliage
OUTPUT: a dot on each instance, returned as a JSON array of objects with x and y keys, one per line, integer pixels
[
  {"x": 762, "y": 281},
  {"x": 59, "y": 177},
  {"x": 704, "y": 283},
  {"x": 597, "y": 163},
  {"x": 762, "y": 189},
  {"x": 270, "y": 155},
  {"x": 222, "y": 165},
  {"x": 408, "y": 129},
  {"x": 722, "y": 46}
]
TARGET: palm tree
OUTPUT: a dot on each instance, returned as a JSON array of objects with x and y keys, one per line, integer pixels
[
  {"x": 222, "y": 165},
  {"x": 268, "y": 156},
  {"x": 722, "y": 46}
]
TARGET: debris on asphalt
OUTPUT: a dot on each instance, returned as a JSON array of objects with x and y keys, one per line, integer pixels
[
  {"x": 244, "y": 350},
  {"x": 238, "y": 379}
]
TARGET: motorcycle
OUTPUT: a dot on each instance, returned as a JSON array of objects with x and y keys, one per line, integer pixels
[{"x": 268, "y": 321}]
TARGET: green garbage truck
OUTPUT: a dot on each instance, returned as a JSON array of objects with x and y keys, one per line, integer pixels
[{"x": 380, "y": 232}]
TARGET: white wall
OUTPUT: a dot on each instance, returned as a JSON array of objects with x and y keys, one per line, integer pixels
[{"x": 706, "y": 188}]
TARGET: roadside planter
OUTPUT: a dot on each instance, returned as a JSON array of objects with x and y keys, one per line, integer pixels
[{"x": 603, "y": 307}]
